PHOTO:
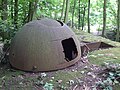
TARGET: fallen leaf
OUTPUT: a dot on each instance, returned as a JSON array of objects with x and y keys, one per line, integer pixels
[{"x": 59, "y": 81}]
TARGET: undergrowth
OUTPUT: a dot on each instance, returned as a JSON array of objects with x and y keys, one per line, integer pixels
[{"x": 111, "y": 77}]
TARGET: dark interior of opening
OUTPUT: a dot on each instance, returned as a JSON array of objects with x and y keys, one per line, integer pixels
[
  {"x": 70, "y": 49},
  {"x": 105, "y": 45}
]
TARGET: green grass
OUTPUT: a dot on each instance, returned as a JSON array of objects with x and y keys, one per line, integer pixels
[
  {"x": 12, "y": 82},
  {"x": 8, "y": 73},
  {"x": 65, "y": 77},
  {"x": 100, "y": 56},
  {"x": 116, "y": 87},
  {"x": 106, "y": 55}
]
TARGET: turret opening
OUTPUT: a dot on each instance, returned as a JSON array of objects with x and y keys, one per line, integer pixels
[{"x": 70, "y": 49}]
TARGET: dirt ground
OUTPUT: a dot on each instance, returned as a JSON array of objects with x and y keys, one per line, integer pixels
[{"x": 31, "y": 81}]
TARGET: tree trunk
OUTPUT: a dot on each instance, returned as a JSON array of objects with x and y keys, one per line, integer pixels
[
  {"x": 35, "y": 6},
  {"x": 67, "y": 11},
  {"x": 79, "y": 16},
  {"x": 4, "y": 13},
  {"x": 25, "y": 12},
  {"x": 73, "y": 13},
  {"x": 25, "y": 16},
  {"x": 104, "y": 19},
  {"x": 88, "y": 16},
  {"x": 12, "y": 13},
  {"x": 16, "y": 13},
  {"x": 55, "y": 15},
  {"x": 62, "y": 10},
  {"x": 83, "y": 18},
  {"x": 32, "y": 9},
  {"x": 118, "y": 22},
  {"x": 30, "y": 12}
]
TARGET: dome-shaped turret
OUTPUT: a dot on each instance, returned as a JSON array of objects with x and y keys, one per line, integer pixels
[{"x": 44, "y": 45}]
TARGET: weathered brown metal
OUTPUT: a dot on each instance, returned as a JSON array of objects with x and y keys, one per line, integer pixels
[
  {"x": 38, "y": 46},
  {"x": 91, "y": 46}
]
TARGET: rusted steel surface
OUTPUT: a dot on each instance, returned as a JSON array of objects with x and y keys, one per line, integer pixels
[
  {"x": 38, "y": 46},
  {"x": 91, "y": 46}
]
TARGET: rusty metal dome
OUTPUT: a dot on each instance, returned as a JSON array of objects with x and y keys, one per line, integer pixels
[{"x": 44, "y": 45}]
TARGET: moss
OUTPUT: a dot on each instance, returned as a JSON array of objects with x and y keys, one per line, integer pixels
[
  {"x": 64, "y": 77},
  {"x": 6, "y": 75},
  {"x": 91, "y": 38},
  {"x": 106, "y": 55},
  {"x": 116, "y": 87}
]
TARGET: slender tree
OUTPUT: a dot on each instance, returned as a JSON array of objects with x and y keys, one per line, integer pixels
[
  {"x": 32, "y": 9},
  {"x": 35, "y": 6},
  {"x": 30, "y": 12},
  {"x": 67, "y": 11},
  {"x": 104, "y": 19},
  {"x": 88, "y": 16},
  {"x": 55, "y": 15},
  {"x": 4, "y": 13},
  {"x": 73, "y": 11},
  {"x": 62, "y": 13},
  {"x": 16, "y": 13},
  {"x": 79, "y": 15},
  {"x": 25, "y": 12},
  {"x": 118, "y": 22},
  {"x": 12, "y": 13},
  {"x": 83, "y": 18}
]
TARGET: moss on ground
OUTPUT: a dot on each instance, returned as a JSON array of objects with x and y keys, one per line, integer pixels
[
  {"x": 64, "y": 77},
  {"x": 98, "y": 57},
  {"x": 106, "y": 55},
  {"x": 116, "y": 87},
  {"x": 6, "y": 74},
  {"x": 83, "y": 36}
]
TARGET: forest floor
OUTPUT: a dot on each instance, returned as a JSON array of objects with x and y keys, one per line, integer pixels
[{"x": 89, "y": 73}]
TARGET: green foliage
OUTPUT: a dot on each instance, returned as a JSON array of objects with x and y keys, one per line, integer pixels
[
  {"x": 6, "y": 30},
  {"x": 111, "y": 76},
  {"x": 97, "y": 13},
  {"x": 49, "y": 8},
  {"x": 53, "y": 9},
  {"x": 48, "y": 86}
]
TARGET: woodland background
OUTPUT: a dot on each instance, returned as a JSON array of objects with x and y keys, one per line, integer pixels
[{"x": 86, "y": 15}]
